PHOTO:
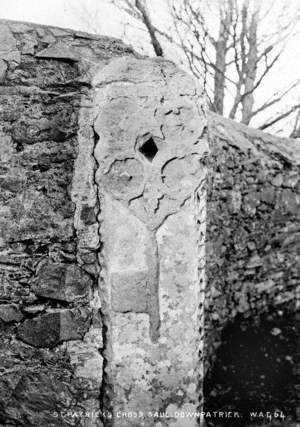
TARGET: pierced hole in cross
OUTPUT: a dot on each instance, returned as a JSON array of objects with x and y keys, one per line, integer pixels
[{"x": 149, "y": 149}]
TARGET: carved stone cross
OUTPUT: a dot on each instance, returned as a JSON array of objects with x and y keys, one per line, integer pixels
[{"x": 149, "y": 125}]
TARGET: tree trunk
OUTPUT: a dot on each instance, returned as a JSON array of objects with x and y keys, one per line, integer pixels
[
  {"x": 151, "y": 30},
  {"x": 221, "y": 51},
  {"x": 250, "y": 71}
]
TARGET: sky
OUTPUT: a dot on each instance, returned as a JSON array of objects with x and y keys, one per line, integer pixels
[
  {"x": 61, "y": 13},
  {"x": 105, "y": 19}
]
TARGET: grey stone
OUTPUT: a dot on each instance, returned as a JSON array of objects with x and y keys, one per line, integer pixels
[
  {"x": 3, "y": 69},
  {"x": 277, "y": 181},
  {"x": 289, "y": 201},
  {"x": 151, "y": 191},
  {"x": 58, "y": 50},
  {"x": 33, "y": 309},
  {"x": 10, "y": 313},
  {"x": 44, "y": 183},
  {"x": 55, "y": 220},
  {"x": 290, "y": 181},
  {"x": 8, "y": 45},
  {"x": 130, "y": 292},
  {"x": 40, "y": 396},
  {"x": 268, "y": 195},
  {"x": 265, "y": 286},
  {"x": 61, "y": 281},
  {"x": 235, "y": 201},
  {"x": 50, "y": 329},
  {"x": 250, "y": 203}
]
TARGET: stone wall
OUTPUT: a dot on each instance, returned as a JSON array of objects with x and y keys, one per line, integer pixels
[
  {"x": 51, "y": 331},
  {"x": 103, "y": 224},
  {"x": 253, "y": 237},
  {"x": 102, "y": 200}
]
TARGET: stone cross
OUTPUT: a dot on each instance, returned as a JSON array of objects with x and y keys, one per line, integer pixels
[{"x": 149, "y": 128}]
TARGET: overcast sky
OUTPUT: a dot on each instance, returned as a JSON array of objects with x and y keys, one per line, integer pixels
[
  {"x": 62, "y": 13},
  {"x": 68, "y": 13}
]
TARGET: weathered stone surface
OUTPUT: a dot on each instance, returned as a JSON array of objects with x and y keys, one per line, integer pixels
[
  {"x": 61, "y": 281},
  {"x": 149, "y": 176},
  {"x": 289, "y": 201},
  {"x": 10, "y": 313},
  {"x": 268, "y": 195},
  {"x": 126, "y": 213},
  {"x": 48, "y": 330},
  {"x": 130, "y": 292},
  {"x": 8, "y": 45},
  {"x": 235, "y": 201},
  {"x": 40, "y": 397},
  {"x": 253, "y": 244},
  {"x": 3, "y": 69},
  {"x": 48, "y": 228},
  {"x": 58, "y": 50}
]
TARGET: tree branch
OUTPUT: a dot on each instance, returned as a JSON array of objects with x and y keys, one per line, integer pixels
[
  {"x": 151, "y": 30},
  {"x": 273, "y": 100},
  {"x": 279, "y": 117}
]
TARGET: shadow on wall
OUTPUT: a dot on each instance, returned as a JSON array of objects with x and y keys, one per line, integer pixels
[{"x": 256, "y": 369}]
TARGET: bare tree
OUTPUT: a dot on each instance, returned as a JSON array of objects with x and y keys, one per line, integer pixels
[
  {"x": 296, "y": 128},
  {"x": 151, "y": 30},
  {"x": 232, "y": 59}
]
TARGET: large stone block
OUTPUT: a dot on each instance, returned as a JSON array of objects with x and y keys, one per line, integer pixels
[
  {"x": 150, "y": 146},
  {"x": 51, "y": 329},
  {"x": 61, "y": 281},
  {"x": 10, "y": 313},
  {"x": 130, "y": 292}
]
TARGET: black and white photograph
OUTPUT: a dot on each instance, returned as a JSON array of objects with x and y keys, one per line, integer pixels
[{"x": 149, "y": 213}]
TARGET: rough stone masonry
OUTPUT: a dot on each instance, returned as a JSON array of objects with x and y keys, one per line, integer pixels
[
  {"x": 253, "y": 269},
  {"x": 102, "y": 232},
  {"x": 103, "y": 226}
]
